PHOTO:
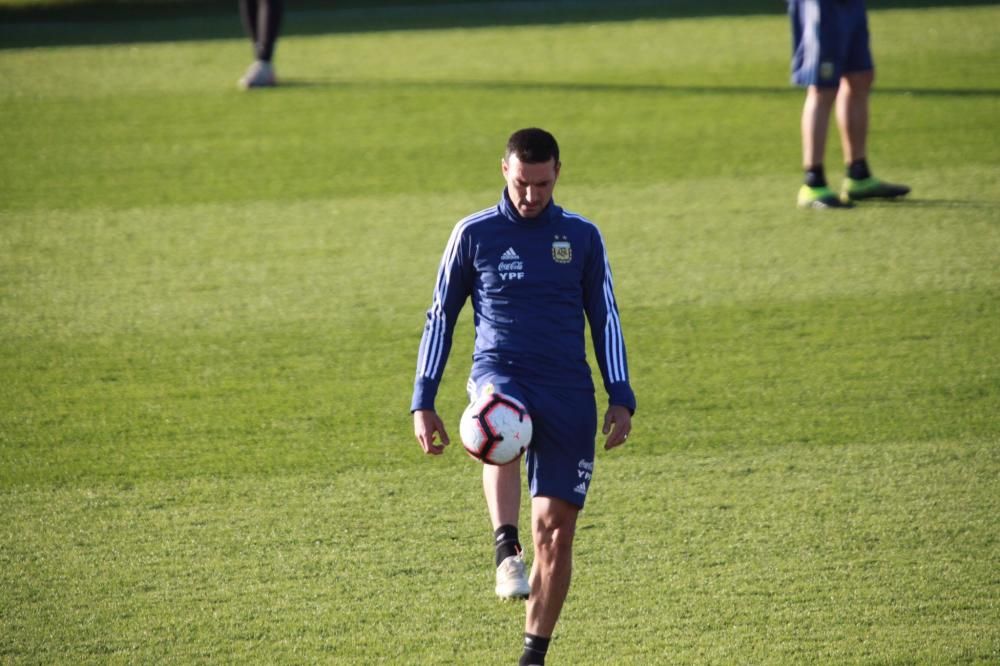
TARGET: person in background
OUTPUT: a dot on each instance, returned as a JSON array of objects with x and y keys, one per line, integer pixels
[
  {"x": 832, "y": 59},
  {"x": 262, "y": 21}
]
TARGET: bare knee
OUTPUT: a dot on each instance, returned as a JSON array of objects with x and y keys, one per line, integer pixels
[
  {"x": 553, "y": 534},
  {"x": 553, "y": 537}
]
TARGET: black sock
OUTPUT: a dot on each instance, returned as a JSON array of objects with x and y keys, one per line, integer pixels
[
  {"x": 505, "y": 539},
  {"x": 815, "y": 177},
  {"x": 535, "y": 648},
  {"x": 858, "y": 170}
]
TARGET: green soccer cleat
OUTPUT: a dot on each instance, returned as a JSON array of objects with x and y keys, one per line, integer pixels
[
  {"x": 820, "y": 197},
  {"x": 870, "y": 188}
]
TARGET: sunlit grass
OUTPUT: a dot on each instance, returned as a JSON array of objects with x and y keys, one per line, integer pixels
[{"x": 210, "y": 304}]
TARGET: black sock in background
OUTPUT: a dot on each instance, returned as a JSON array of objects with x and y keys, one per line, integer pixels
[
  {"x": 858, "y": 170},
  {"x": 815, "y": 177}
]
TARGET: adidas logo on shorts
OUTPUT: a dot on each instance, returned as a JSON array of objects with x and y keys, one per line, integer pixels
[{"x": 582, "y": 488}]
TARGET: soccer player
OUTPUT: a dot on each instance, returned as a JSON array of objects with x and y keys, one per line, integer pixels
[
  {"x": 831, "y": 58},
  {"x": 262, "y": 21},
  {"x": 534, "y": 272}
]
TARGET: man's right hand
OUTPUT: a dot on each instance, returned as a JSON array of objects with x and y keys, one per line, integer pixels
[{"x": 427, "y": 425}]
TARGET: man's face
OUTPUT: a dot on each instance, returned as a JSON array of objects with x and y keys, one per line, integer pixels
[{"x": 529, "y": 184}]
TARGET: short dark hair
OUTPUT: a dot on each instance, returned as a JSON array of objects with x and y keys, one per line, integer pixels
[{"x": 532, "y": 145}]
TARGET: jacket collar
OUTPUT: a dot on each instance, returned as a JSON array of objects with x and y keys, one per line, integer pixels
[{"x": 548, "y": 214}]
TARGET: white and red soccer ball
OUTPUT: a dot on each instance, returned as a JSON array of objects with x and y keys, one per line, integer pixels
[{"x": 495, "y": 429}]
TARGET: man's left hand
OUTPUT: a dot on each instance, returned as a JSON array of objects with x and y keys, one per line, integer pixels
[{"x": 617, "y": 422}]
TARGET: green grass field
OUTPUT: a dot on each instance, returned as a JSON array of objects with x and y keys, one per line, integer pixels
[{"x": 210, "y": 305}]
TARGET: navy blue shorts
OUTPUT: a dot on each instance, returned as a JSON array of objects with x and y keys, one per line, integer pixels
[
  {"x": 560, "y": 460},
  {"x": 829, "y": 39}
]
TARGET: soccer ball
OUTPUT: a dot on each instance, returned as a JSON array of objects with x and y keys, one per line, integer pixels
[{"x": 495, "y": 429}]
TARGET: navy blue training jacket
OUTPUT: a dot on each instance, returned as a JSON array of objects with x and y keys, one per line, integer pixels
[{"x": 532, "y": 282}]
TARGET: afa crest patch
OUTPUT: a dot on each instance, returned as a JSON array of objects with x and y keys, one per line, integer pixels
[{"x": 562, "y": 251}]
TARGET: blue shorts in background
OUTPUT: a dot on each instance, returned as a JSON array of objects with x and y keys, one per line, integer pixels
[
  {"x": 560, "y": 460},
  {"x": 829, "y": 39}
]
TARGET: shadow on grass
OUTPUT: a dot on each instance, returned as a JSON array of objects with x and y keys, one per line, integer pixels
[
  {"x": 589, "y": 87},
  {"x": 917, "y": 202},
  {"x": 92, "y": 22}
]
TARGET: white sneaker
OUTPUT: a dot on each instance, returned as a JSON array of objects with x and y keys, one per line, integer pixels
[
  {"x": 259, "y": 75},
  {"x": 511, "y": 581}
]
